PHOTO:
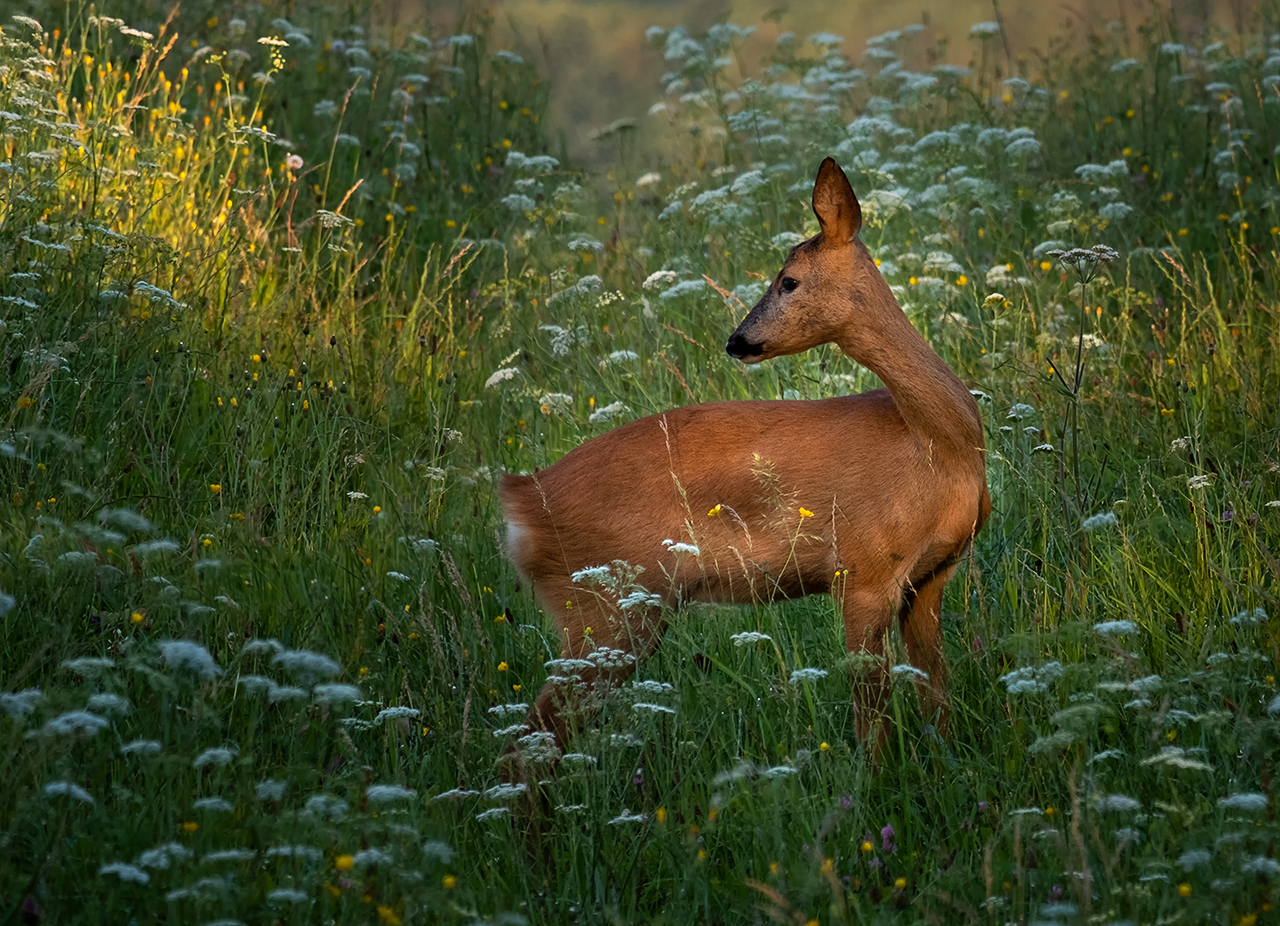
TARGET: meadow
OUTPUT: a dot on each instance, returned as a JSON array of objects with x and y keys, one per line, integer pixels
[{"x": 281, "y": 298}]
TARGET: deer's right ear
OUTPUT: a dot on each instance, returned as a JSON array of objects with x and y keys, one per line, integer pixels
[{"x": 834, "y": 203}]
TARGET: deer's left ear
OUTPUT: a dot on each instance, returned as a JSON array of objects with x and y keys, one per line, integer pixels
[{"x": 834, "y": 203}]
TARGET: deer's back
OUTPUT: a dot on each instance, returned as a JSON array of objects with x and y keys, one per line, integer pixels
[{"x": 850, "y": 461}]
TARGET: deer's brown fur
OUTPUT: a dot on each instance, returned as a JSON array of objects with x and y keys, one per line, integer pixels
[{"x": 895, "y": 480}]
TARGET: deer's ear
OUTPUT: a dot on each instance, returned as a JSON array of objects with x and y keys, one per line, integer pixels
[{"x": 834, "y": 203}]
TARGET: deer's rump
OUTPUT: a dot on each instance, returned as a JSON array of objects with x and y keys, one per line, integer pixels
[{"x": 797, "y": 484}]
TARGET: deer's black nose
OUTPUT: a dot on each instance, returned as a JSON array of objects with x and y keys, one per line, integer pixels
[{"x": 739, "y": 347}]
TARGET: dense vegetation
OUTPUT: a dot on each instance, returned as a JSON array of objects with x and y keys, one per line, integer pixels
[{"x": 280, "y": 301}]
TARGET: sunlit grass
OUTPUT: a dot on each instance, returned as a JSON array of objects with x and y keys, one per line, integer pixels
[{"x": 276, "y": 316}]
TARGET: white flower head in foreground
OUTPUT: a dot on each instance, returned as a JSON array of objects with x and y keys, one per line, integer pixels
[
  {"x": 397, "y": 713},
  {"x": 748, "y": 637},
  {"x": 627, "y": 817},
  {"x": 501, "y": 376},
  {"x": 307, "y": 663},
  {"x": 68, "y": 789},
  {"x": 674, "y": 547},
  {"x": 807, "y": 675},
  {"x": 1179, "y": 444},
  {"x": 1199, "y": 482},
  {"x": 607, "y": 413},
  {"x": 125, "y": 872},
  {"x": 385, "y": 794},
  {"x": 493, "y": 813},
  {"x": 1249, "y": 803},
  {"x": 74, "y": 722},
  {"x": 1100, "y": 520},
  {"x": 191, "y": 657},
  {"x": 1118, "y": 802},
  {"x": 1108, "y": 628},
  {"x": 218, "y": 756}
]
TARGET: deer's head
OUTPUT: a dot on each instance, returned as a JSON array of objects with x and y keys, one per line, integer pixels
[{"x": 816, "y": 296}]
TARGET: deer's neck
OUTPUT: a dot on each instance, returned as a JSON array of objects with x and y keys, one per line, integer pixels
[{"x": 936, "y": 406}]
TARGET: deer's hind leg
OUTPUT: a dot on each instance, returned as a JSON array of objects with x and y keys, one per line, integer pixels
[
  {"x": 868, "y": 616},
  {"x": 922, "y": 634},
  {"x": 600, "y": 642}
]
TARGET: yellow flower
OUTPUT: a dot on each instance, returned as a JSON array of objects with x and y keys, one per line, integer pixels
[
  {"x": 900, "y": 883},
  {"x": 661, "y": 815},
  {"x": 344, "y": 863},
  {"x": 1050, "y": 811},
  {"x": 714, "y": 511},
  {"x": 502, "y": 667},
  {"x": 377, "y": 509},
  {"x": 515, "y": 687},
  {"x": 190, "y": 827},
  {"x": 333, "y": 890},
  {"x": 824, "y": 747},
  {"x": 962, "y": 280},
  {"x": 773, "y": 868},
  {"x": 364, "y": 670},
  {"x": 257, "y": 358},
  {"x": 913, "y": 281},
  {"x": 1171, "y": 735},
  {"x": 1046, "y": 266},
  {"x": 702, "y": 854},
  {"x": 806, "y": 513},
  {"x": 828, "y": 865},
  {"x": 387, "y": 915},
  {"x": 26, "y": 402},
  {"x": 215, "y": 488},
  {"x": 449, "y": 882},
  {"x": 1184, "y": 889},
  {"x": 866, "y": 847},
  {"x": 207, "y": 542},
  {"x": 136, "y": 617}
]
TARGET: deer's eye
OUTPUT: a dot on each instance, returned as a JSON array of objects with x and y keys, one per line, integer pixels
[{"x": 789, "y": 285}]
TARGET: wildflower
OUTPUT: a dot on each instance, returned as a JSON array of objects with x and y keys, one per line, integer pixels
[
  {"x": 215, "y": 488},
  {"x": 20, "y": 704},
  {"x": 652, "y": 708},
  {"x": 748, "y": 637},
  {"x": 194, "y": 658},
  {"x": 607, "y": 412},
  {"x": 1193, "y": 858},
  {"x": 715, "y": 511},
  {"x": 1099, "y": 520},
  {"x": 68, "y": 789},
  {"x": 273, "y": 41},
  {"x": 307, "y": 663},
  {"x": 1199, "y": 482},
  {"x": 396, "y": 713},
  {"x": 88, "y": 665},
  {"x": 141, "y": 747},
  {"x": 1174, "y": 757},
  {"x": 679, "y": 548},
  {"x": 916, "y": 675},
  {"x": 344, "y": 863},
  {"x": 215, "y": 804},
  {"x": 1107, "y": 628},
  {"x": 449, "y": 882},
  {"x": 293, "y": 162},
  {"x": 74, "y": 722},
  {"x": 387, "y": 915},
  {"x": 163, "y": 856},
  {"x": 886, "y": 839},
  {"x": 1020, "y": 411},
  {"x": 501, "y": 376},
  {"x": 336, "y": 694},
  {"x": 807, "y": 675},
  {"x": 627, "y": 817},
  {"x": 806, "y": 513},
  {"x": 287, "y": 895},
  {"x": 1118, "y": 802},
  {"x": 218, "y": 756},
  {"x": 385, "y": 794},
  {"x": 900, "y": 884},
  {"x": 270, "y": 790},
  {"x": 125, "y": 872},
  {"x": 1184, "y": 889},
  {"x": 1250, "y": 803},
  {"x": 493, "y": 813}
]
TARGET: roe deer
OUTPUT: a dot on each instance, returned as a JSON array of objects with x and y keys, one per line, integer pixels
[{"x": 874, "y": 498}]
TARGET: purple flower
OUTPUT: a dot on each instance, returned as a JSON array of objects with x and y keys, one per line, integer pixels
[
  {"x": 874, "y": 864},
  {"x": 1056, "y": 892},
  {"x": 845, "y": 802},
  {"x": 982, "y": 806},
  {"x": 886, "y": 839}
]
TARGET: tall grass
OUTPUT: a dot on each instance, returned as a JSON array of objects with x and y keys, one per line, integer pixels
[{"x": 275, "y": 317}]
